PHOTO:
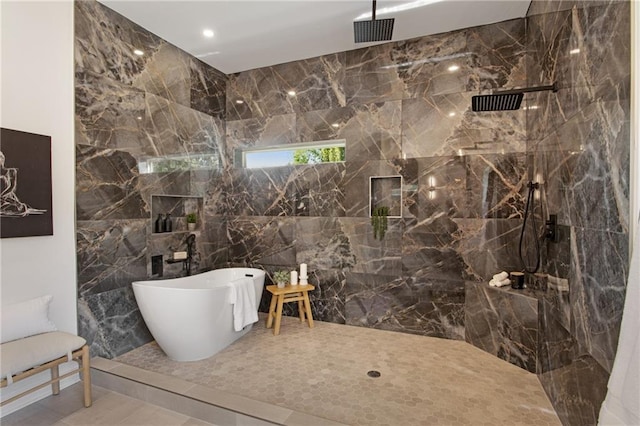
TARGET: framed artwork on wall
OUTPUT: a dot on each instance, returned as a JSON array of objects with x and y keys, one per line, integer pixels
[{"x": 25, "y": 184}]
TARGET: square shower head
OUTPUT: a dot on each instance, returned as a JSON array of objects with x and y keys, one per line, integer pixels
[{"x": 373, "y": 30}]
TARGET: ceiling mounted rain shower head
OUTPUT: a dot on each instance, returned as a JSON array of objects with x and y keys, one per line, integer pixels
[
  {"x": 497, "y": 102},
  {"x": 373, "y": 30},
  {"x": 507, "y": 100}
]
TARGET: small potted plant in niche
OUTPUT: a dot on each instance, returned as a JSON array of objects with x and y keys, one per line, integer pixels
[
  {"x": 191, "y": 221},
  {"x": 280, "y": 278}
]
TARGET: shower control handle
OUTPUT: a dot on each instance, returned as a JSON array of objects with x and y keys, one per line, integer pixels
[{"x": 551, "y": 228}]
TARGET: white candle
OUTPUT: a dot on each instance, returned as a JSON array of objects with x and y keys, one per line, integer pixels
[
  {"x": 294, "y": 278},
  {"x": 303, "y": 270}
]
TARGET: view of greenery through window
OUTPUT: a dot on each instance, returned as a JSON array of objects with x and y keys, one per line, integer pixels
[
  {"x": 293, "y": 155},
  {"x": 318, "y": 155}
]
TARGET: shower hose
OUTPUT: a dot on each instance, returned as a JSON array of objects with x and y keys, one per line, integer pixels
[{"x": 528, "y": 211}]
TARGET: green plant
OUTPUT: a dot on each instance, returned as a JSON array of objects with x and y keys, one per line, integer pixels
[
  {"x": 192, "y": 218},
  {"x": 379, "y": 221},
  {"x": 281, "y": 277}
]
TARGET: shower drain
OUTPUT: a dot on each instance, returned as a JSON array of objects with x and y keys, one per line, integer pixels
[{"x": 373, "y": 373}]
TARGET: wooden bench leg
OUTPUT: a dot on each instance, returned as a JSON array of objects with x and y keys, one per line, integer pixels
[
  {"x": 272, "y": 309},
  {"x": 301, "y": 310},
  {"x": 307, "y": 306},
  {"x": 86, "y": 376},
  {"x": 55, "y": 381},
  {"x": 276, "y": 329}
]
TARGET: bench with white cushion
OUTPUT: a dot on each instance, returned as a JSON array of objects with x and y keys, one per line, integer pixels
[{"x": 31, "y": 344}]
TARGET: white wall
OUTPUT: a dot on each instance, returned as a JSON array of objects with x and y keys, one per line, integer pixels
[
  {"x": 36, "y": 72},
  {"x": 635, "y": 120}
]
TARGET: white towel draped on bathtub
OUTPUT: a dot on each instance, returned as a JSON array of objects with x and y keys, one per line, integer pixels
[{"x": 242, "y": 296}]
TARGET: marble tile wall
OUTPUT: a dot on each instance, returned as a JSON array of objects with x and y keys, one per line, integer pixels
[
  {"x": 130, "y": 109},
  {"x": 402, "y": 112},
  {"x": 579, "y": 140}
]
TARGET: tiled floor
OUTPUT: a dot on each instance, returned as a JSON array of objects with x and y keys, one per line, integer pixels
[
  {"x": 109, "y": 408},
  {"x": 323, "y": 372}
]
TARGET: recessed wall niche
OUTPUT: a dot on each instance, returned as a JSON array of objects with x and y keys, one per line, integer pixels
[
  {"x": 177, "y": 206},
  {"x": 386, "y": 191}
]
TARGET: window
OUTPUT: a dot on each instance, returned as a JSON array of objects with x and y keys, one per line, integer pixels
[
  {"x": 179, "y": 163},
  {"x": 286, "y": 155}
]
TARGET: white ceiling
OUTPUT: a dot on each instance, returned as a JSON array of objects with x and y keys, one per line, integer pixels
[{"x": 254, "y": 34}]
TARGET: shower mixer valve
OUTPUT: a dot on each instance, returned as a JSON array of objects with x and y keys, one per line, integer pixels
[{"x": 551, "y": 228}]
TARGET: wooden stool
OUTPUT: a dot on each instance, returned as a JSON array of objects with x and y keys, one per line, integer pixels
[{"x": 290, "y": 293}]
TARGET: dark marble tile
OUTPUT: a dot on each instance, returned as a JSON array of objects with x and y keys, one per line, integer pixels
[
  {"x": 214, "y": 250},
  {"x": 262, "y": 240},
  {"x": 109, "y": 114},
  {"x": 431, "y": 308},
  {"x": 371, "y": 131},
  {"x": 107, "y": 185},
  {"x": 374, "y": 256},
  {"x": 111, "y": 322},
  {"x": 112, "y": 115},
  {"x": 430, "y": 250},
  {"x": 316, "y": 84},
  {"x": 175, "y": 129},
  {"x": 208, "y": 89},
  {"x": 111, "y": 254},
  {"x": 484, "y": 57},
  {"x": 445, "y": 125},
  {"x": 302, "y": 190},
  {"x": 324, "y": 244},
  {"x": 105, "y": 41},
  {"x": 498, "y": 59},
  {"x": 260, "y": 132},
  {"x": 577, "y": 390},
  {"x": 357, "y": 182},
  {"x": 262, "y": 192},
  {"x": 503, "y": 323},
  {"x": 488, "y": 246},
  {"x": 599, "y": 272},
  {"x": 556, "y": 345}
]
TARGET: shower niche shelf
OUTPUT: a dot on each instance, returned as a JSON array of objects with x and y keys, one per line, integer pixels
[
  {"x": 178, "y": 206},
  {"x": 386, "y": 191}
]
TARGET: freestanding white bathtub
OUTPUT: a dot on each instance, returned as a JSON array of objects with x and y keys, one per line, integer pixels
[{"x": 191, "y": 317}]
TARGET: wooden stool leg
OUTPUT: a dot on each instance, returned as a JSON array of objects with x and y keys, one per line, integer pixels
[
  {"x": 86, "y": 376},
  {"x": 301, "y": 310},
  {"x": 55, "y": 385},
  {"x": 276, "y": 329},
  {"x": 272, "y": 308},
  {"x": 307, "y": 306}
]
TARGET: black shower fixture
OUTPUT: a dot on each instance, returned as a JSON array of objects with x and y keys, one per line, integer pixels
[
  {"x": 373, "y": 30},
  {"x": 506, "y": 100}
]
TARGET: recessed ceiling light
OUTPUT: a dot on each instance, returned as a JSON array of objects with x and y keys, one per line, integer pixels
[
  {"x": 454, "y": 68},
  {"x": 452, "y": 114},
  {"x": 291, "y": 93},
  {"x": 533, "y": 107},
  {"x": 138, "y": 52},
  {"x": 207, "y": 33},
  {"x": 139, "y": 117},
  {"x": 336, "y": 125},
  {"x": 239, "y": 101},
  {"x": 574, "y": 51}
]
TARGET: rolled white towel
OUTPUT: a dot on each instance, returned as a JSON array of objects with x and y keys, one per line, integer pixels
[
  {"x": 503, "y": 282},
  {"x": 501, "y": 276},
  {"x": 500, "y": 283}
]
